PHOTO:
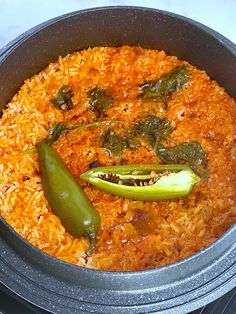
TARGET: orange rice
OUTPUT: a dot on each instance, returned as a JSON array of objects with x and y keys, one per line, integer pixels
[{"x": 134, "y": 235}]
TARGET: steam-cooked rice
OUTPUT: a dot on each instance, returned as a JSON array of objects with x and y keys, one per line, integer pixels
[{"x": 134, "y": 235}]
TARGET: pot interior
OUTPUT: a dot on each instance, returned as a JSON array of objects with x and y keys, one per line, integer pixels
[
  {"x": 115, "y": 27},
  {"x": 177, "y": 36}
]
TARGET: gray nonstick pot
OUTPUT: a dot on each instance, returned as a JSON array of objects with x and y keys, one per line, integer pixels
[{"x": 60, "y": 287}]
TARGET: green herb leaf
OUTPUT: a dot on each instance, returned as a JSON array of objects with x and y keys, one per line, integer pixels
[
  {"x": 113, "y": 142},
  {"x": 152, "y": 127},
  {"x": 54, "y": 133},
  {"x": 63, "y": 100},
  {"x": 191, "y": 153},
  {"x": 166, "y": 85},
  {"x": 99, "y": 101}
]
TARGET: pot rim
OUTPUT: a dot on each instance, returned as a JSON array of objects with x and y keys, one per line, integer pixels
[
  {"x": 28, "y": 33},
  {"x": 9, "y": 48}
]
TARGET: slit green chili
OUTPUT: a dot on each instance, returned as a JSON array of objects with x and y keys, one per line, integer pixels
[
  {"x": 65, "y": 196},
  {"x": 143, "y": 182}
]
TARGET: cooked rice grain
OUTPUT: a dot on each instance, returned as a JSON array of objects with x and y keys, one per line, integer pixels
[{"x": 134, "y": 235}]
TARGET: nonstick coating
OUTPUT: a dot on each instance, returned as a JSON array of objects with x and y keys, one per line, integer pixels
[{"x": 64, "y": 288}]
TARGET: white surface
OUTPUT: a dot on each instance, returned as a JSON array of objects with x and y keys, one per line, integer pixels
[{"x": 17, "y": 16}]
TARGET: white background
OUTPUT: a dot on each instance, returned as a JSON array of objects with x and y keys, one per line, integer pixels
[{"x": 17, "y": 16}]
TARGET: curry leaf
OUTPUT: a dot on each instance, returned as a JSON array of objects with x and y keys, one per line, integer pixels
[
  {"x": 113, "y": 142},
  {"x": 54, "y": 133},
  {"x": 162, "y": 89},
  {"x": 99, "y": 101},
  {"x": 152, "y": 127},
  {"x": 191, "y": 153},
  {"x": 63, "y": 99}
]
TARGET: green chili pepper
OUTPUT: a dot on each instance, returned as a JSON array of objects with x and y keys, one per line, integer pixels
[
  {"x": 66, "y": 197},
  {"x": 143, "y": 182}
]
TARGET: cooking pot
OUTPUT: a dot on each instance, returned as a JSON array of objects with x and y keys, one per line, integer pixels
[{"x": 58, "y": 286}]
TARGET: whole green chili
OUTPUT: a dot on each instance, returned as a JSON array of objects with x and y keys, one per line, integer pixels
[
  {"x": 143, "y": 182},
  {"x": 66, "y": 197}
]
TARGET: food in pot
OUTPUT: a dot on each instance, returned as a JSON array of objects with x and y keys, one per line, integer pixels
[{"x": 142, "y": 146}]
